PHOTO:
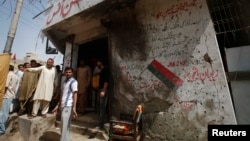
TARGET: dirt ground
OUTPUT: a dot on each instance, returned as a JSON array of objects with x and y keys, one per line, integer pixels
[
  {"x": 12, "y": 131},
  {"x": 13, "y": 134}
]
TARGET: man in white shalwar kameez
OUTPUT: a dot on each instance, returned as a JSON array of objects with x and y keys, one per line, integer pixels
[{"x": 44, "y": 89}]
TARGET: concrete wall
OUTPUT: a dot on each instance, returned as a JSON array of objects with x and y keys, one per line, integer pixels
[
  {"x": 165, "y": 55},
  {"x": 62, "y": 10}
]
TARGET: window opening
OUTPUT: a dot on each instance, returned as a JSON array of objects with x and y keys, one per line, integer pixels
[{"x": 231, "y": 20}]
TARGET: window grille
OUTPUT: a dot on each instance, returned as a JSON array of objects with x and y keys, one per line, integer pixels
[{"x": 231, "y": 20}]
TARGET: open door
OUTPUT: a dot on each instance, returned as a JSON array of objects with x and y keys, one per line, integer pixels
[{"x": 90, "y": 52}]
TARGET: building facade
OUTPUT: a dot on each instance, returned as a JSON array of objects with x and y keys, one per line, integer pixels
[{"x": 161, "y": 53}]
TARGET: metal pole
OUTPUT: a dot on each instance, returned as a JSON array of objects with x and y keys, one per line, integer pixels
[{"x": 13, "y": 27}]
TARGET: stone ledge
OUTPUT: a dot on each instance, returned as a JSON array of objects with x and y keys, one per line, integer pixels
[{"x": 33, "y": 129}]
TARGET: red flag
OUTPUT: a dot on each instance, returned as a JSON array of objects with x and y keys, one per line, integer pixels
[{"x": 14, "y": 57}]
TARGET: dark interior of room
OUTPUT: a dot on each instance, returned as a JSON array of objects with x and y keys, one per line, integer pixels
[{"x": 93, "y": 50}]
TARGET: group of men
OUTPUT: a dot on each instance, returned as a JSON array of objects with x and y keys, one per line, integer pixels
[
  {"x": 85, "y": 75},
  {"x": 32, "y": 88}
]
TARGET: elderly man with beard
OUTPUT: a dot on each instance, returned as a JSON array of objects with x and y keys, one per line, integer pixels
[{"x": 44, "y": 89}]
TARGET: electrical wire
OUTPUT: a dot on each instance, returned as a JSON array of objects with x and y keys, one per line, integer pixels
[
  {"x": 23, "y": 18},
  {"x": 31, "y": 8}
]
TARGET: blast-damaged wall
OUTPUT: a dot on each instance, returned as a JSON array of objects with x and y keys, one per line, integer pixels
[{"x": 165, "y": 55}]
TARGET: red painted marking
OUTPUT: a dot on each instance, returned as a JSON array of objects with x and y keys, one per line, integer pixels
[
  {"x": 63, "y": 9},
  {"x": 183, "y": 6},
  {"x": 167, "y": 73}
]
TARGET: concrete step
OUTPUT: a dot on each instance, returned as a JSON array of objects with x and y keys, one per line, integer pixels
[{"x": 82, "y": 128}]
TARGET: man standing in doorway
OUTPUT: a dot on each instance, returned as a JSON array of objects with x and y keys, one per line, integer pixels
[
  {"x": 10, "y": 89},
  {"x": 67, "y": 103},
  {"x": 84, "y": 80},
  {"x": 103, "y": 91},
  {"x": 44, "y": 89}
]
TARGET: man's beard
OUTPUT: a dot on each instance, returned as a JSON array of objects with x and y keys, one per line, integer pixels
[{"x": 49, "y": 66}]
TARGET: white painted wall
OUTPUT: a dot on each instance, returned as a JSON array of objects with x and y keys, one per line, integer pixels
[
  {"x": 63, "y": 9},
  {"x": 179, "y": 35},
  {"x": 67, "y": 62}
]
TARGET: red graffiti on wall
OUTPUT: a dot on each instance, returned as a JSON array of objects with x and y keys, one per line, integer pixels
[
  {"x": 127, "y": 75},
  {"x": 177, "y": 63},
  {"x": 123, "y": 68},
  {"x": 153, "y": 84},
  {"x": 187, "y": 104},
  {"x": 198, "y": 75},
  {"x": 129, "y": 78},
  {"x": 63, "y": 9},
  {"x": 177, "y": 8},
  {"x": 184, "y": 105}
]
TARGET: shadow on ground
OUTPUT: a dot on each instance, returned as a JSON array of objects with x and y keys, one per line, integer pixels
[{"x": 50, "y": 136}]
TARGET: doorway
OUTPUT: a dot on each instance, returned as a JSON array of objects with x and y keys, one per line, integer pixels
[
  {"x": 90, "y": 52},
  {"x": 93, "y": 50}
]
